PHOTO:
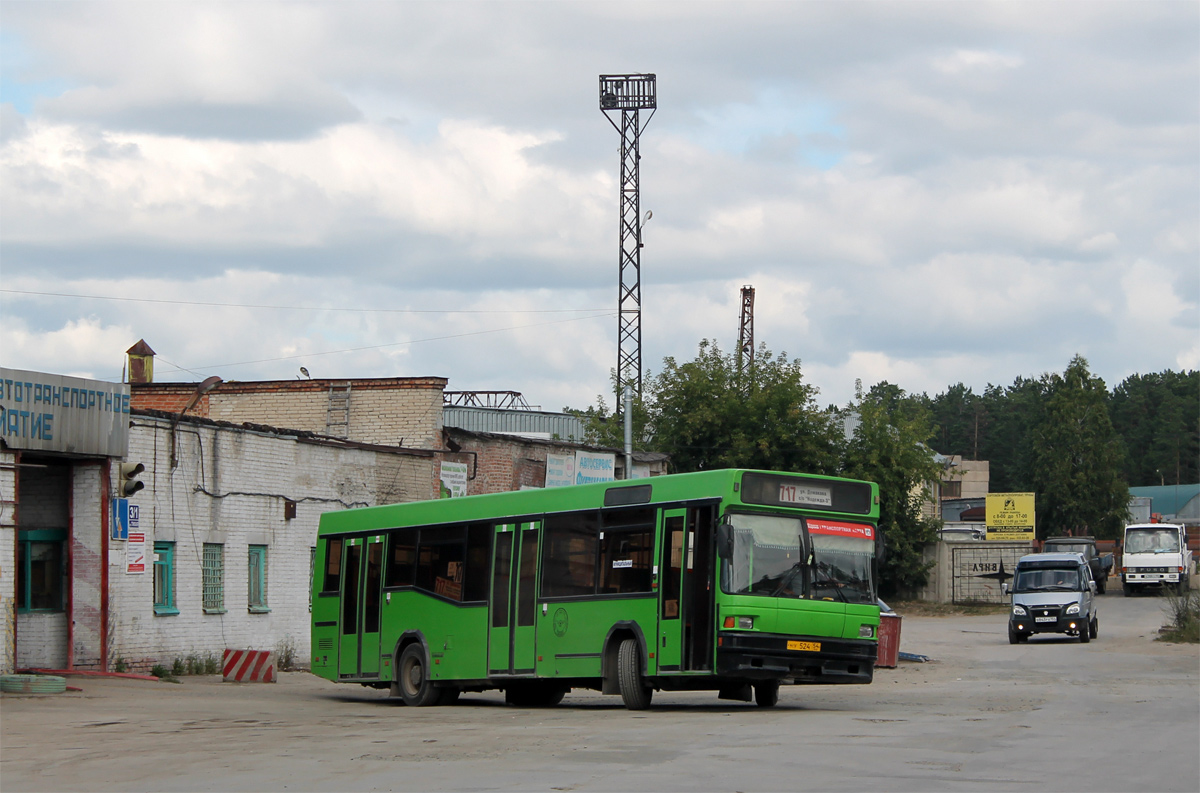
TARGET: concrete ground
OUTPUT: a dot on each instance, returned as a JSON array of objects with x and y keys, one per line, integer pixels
[{"x": 1121, "y": 713}]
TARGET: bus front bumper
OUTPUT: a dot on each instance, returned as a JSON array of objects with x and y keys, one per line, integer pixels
[{"x": 802, "y": 659}]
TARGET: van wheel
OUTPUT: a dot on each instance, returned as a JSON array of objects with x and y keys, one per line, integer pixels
[
  {"x": 1094, "y": 627},
  {"x": 1013, "y": 636},
  {"x": 415, "y": 688},
  {"x": 1085, "y": 634},
  {"x": 634, "y": 691},
  {"x": 1127, "y": 589},
  {"x": 766, "y": 694}
]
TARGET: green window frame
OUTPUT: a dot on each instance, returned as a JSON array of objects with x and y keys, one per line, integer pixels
[
  {"x": 41, "y": 570},
  {"x": 164, "y": 579},
  {"x": 213, "y": 578},
  {"x": 256, "y": 580}
]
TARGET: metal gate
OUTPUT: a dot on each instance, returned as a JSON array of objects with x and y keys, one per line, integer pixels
[{"x": 979, "y": 569}]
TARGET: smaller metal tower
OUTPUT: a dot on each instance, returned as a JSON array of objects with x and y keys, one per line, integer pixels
[{"x": 746, "y": 333}]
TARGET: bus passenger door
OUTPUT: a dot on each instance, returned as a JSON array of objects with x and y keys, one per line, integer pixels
[
  {"x": 699, "y": 583},
  {"x": 525, "y": 602},
  {"x": 348, "y": 628},
  {"x": 500, "y": 602},
  {"x": 511, "y": 640},
  {"x": 362, "y": 579},
  {"x": 372, "y": 590},
  {"x": 670, "y": 589}
]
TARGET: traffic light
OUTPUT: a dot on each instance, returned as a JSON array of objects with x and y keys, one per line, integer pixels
[{"x": 127, "y": 483}]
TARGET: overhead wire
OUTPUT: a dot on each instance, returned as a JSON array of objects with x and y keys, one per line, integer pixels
[
  {"x": 300, "y": 356},
  {"x": 356, "y": 309}
]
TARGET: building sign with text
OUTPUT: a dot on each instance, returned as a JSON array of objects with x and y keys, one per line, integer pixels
[
  {"x": 1010, "y": 516},
  {"x": 54, "y": 413}
]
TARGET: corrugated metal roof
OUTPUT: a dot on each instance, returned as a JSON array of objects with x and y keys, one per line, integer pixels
[
  {"x": 1168, "y": 499},
  {"x": 514, "y": 422}
]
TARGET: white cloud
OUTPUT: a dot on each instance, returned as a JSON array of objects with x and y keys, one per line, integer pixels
[
  {"x": 976, "y": 60},
  {"x": 925, "y": 194}
]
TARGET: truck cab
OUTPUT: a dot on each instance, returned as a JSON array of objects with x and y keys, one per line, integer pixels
[
  {"x": 1053, "y": 593},
  {"x": 1101, "y": 564},
  {"x": 1155, "y": 555}
]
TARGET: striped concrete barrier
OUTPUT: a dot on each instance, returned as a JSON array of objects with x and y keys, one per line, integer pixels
[{"x": 248, "y": 666}]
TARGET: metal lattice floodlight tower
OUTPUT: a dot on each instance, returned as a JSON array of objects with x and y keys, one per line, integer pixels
[
  {"x": 629, "y": 94},
  {"x": 746, "y": 332}
]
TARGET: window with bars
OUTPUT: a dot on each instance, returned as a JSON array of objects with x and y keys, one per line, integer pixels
[
  {"x": 256, "y": 595},
  {"x": 164, "y": 578},
  {"x": 213, "y": 571}
]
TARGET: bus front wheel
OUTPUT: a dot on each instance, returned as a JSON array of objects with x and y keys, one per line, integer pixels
[
  {"x": 415, "y": 688},
  {"x": 634, "y": 691}
]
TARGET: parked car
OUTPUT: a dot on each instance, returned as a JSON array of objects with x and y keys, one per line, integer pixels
[{"x": 1053, "y": 593}]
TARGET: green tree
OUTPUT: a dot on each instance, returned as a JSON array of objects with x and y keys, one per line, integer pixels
[
  {"x": 1157, "y": 418},
  {"x": 961, "y": 418},
  {"x": 1076, "y": 458},
  {"x": 706, "y": 416},
  {"x": 888, "y": 448}
]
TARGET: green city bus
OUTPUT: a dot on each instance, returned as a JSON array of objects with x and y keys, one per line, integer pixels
[{"x": 731, "y": 581}]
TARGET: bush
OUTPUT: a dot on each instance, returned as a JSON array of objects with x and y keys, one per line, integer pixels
[
  {"x": 285, "y": 654},
  {"x": 1183, "y": 610}
]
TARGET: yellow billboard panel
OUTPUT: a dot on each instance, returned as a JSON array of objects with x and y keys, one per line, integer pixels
[{"x": 1010, "y": 516}]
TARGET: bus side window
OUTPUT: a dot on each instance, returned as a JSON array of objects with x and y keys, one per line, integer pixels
[
  {"x": 569, "y": 555},
  {"x": 440, "y": 561},
  {"x": 625, "y": 560},
  {"x": 402, "y": 557},
  {"x": 479, "y": 536},
  {"x": 333, "y": 566}
]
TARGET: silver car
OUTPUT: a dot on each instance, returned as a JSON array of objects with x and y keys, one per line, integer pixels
[{"x": 1053, "y": 593}]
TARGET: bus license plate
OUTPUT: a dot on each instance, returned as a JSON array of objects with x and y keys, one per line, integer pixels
[
  {"x": 1045, "y": 619},
  {"x": 811, "y": 647}
]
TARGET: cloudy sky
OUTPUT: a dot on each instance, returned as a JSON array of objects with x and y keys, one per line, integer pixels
[{"x": 925, "y": 193}]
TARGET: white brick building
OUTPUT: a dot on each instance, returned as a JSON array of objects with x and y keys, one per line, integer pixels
[{"x": 237, "y": 504}]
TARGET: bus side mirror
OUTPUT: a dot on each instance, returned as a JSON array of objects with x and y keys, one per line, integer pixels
[
  {"x": 880, "y": 546},
  {"x": 724, "y": 540}
]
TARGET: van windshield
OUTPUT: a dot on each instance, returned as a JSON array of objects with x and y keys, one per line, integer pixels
[{"x": 1047, "y": 579}]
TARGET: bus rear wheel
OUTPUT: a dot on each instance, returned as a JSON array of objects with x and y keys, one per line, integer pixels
[
  {"x": 766, "y": 694},
  {"x": 634, "y": 691},
  {"x": 415, "y": 688}
]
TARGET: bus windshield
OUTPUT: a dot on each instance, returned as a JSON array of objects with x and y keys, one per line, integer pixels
[
  {"x": 842, "y": 568},
  {"x": 1151, "y": 541},
  {"x": 767, "y": 556}
]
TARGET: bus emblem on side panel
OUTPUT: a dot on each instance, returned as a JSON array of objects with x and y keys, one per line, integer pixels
[{"x": 560, "y": 623}]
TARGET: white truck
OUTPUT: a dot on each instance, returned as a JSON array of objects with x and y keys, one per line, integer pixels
[{"x": 1155, "y": 554}]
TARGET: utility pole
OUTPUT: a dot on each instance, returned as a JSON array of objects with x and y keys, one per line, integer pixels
[
  {"x": 629, "y": 94},
  {"x": 746, "y": 333}
]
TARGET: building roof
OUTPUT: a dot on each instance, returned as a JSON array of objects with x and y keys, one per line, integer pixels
[{"x": 1167, "y": 499}]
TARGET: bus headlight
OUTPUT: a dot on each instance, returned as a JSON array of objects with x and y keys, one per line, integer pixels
[
  {"x": 866, "y": 631},
  {"x": 744, "y": 623}
]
